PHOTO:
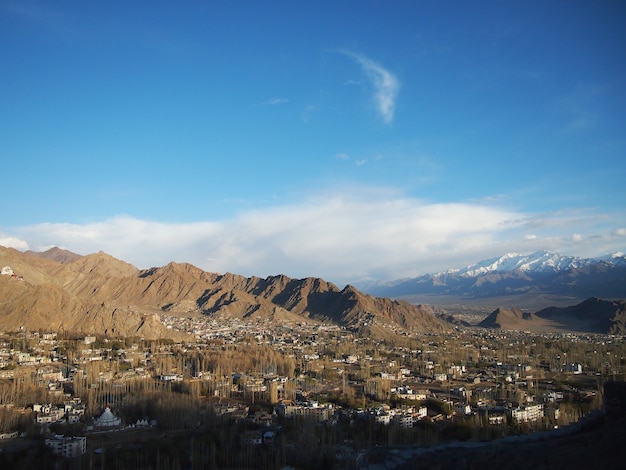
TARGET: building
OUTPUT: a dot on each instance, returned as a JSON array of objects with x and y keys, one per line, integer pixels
[
  {"x": 46, "y": 414},
  {"x": 89, "y": 339},
  {"x": 311, "y": 412},
  {"x": 403, "y": 420},
  {"x": 382, "y": 417},
  {"x": 574, "y": 368},
  {"x": 6, "y": 271},
  {"x": 526, "y": 413},
  {"x": 107, "y": 419},
  {"x": 420, "y": 413},
  {"x": 67, "y": 446}
]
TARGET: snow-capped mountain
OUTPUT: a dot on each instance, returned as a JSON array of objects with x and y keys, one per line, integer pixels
[
  {"x": 543, "y": 272},
  {"x": 538, "y": 262}
]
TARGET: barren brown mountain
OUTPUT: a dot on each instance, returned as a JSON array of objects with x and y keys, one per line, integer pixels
[
  {"x": 100, "y": 294},
  {"x": 592, "y": 316},
  {"x": 55, "y": 254}
]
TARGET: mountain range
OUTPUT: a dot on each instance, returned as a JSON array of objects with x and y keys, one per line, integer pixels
[
  {"x": 97, "y": 293},
  {"x": 540, "y": 273}
]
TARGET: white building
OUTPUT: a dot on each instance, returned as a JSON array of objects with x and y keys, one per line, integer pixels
[
  {"x": 403, "y": 420},
  {"x": 89, "y": 339},
  {"x": 382, "y": 418},
  {"x": 6, "y": 271},
  {"x": 67, "y": 446},
  {"x": 107, "y": 419},
  {"x": 47, "y": 413},
  {"x": 421, "y": 412},
  {"x": 527, "y": 413}
]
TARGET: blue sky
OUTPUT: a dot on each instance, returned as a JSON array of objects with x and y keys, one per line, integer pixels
[{"x": 344, "y": 139}]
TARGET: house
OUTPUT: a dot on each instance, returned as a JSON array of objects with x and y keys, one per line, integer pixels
[
  {"x": 89, "y": 339},
  {"x": 420, "y": 413},
  {"x": 46, "y": 414},
  {"x": 171, "y": 378},
  {"x": 382, "y": 417},
  {"x": 574, "y": 368},
  {"x": 496, "y": 419},
  {"x": 403, "y": 420},
  {"x": 526, "y": 413},
  {"x": 6, "y": 271},
  {"x": 67, "y": 446}
]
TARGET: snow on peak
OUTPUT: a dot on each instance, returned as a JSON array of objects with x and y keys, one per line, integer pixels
[
  {"x": 540, "y": 261},
  {"x": 618, "y": 258}
]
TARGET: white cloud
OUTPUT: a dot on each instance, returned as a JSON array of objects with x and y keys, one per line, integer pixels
[
  {"x": 386, "y": 85},
  {"x": 13, "y": 242},
  {"x": 340, "y": 237}
]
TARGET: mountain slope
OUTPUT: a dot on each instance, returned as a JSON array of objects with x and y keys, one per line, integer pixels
[
  {"x": 516, "y": 319},
  {"x": 591, "y": 316},
  {"x": 51, "y": 308}
]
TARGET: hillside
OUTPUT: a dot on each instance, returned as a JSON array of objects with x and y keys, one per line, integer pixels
[
  {"x": 591, "y": 316},
  {"x": 516, "y": 319},
  {"x": 98, "y": 293}
]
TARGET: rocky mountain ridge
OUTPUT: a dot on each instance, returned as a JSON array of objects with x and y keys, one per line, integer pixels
[{"x": 99, "y": 293}]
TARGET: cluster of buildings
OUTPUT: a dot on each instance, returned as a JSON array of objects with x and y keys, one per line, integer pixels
[{"x": 71, "y": 412}]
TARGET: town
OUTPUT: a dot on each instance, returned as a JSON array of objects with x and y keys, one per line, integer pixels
[{"x": 262, "y": 394}]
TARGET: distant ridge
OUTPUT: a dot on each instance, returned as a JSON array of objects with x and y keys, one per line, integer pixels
[
  {"x": 55, "y": 254},
  {"x": 591, "y": 316},
  {"x": 540, "y": 273}
]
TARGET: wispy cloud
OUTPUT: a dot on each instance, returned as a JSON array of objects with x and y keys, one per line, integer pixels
[
  {"x": 307, "y": 111},
  {"x": 386, "y": 85},
  {"x": 338, "y": 236},
  {"x": 579, "y": 108},
  {"x": 346, "y": 157},
  {"x": 273, "y": 102}
]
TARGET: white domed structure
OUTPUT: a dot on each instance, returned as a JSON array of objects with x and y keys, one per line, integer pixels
[{"x": 107, "y": 419}]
